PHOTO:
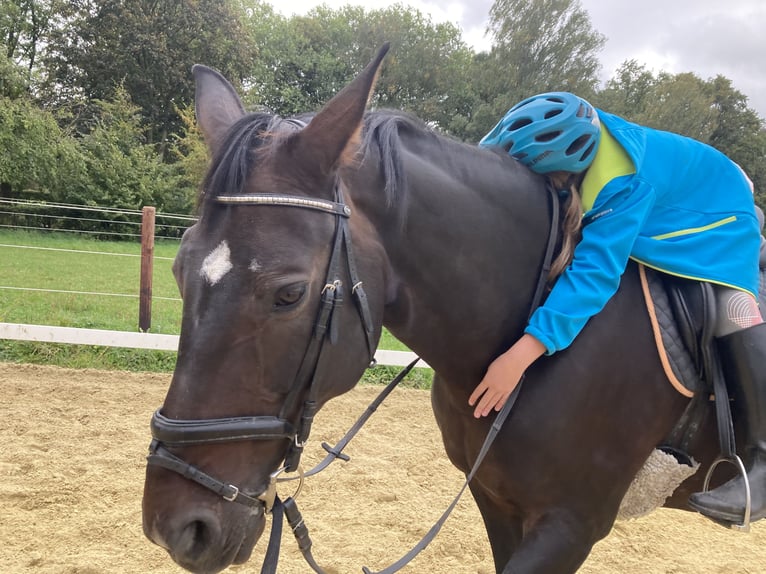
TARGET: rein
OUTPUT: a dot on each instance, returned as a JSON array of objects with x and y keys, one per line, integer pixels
[
  {"x": 497, "y": 423},
  {"x": 180, "y": 433}
]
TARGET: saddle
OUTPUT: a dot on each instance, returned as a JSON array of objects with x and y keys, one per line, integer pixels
[{"x": 683, "y": 317}]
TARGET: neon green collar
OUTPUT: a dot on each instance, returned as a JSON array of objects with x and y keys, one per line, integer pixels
[{"x": 611, "y": 161}]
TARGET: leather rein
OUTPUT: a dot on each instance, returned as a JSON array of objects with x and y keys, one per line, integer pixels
[{"x": 167, "y": 432}]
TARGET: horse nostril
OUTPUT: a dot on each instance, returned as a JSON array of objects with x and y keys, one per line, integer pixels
[{"x": 196, "y": 538}]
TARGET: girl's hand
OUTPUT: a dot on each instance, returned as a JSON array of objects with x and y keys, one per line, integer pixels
[{"x": 503, "y": 375}]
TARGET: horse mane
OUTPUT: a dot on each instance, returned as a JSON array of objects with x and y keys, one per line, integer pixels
[
  {"x": 383, "y": 135},
  {"x": 389, "y": 130},
  {"x": 382, "y": 130}
]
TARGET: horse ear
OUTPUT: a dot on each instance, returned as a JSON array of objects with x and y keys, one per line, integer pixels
[
  {"x": 332, "y": 137},
  {"x": 217, "y": 105}
]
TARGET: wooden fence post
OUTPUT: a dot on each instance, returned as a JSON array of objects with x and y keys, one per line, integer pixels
[{"x": 147, "y": 264}]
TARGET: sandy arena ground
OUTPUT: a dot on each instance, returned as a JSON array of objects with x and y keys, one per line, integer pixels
[{"x": 72, "y": 447}]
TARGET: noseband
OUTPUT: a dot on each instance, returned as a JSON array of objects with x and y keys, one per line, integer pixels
[{"x": 167, "y": 432}]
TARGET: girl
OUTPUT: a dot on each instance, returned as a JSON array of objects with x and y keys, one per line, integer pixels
[{"x": 661, "y": 199}]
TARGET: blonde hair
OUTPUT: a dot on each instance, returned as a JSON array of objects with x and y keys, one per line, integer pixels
[{"x": 571, "y": 227}]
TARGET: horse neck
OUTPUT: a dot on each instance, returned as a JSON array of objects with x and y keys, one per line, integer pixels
[{"x": 464, "y": 243}]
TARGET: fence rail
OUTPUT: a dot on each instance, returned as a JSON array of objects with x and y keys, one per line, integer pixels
[
  {"x": 102, "y": 337},
  {"x": 126, "y": 339}
]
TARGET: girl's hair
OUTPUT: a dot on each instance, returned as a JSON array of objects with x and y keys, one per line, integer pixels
[{"x": 571, "y": 230}]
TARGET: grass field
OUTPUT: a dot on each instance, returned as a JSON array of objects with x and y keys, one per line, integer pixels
[{"x": 116, "y": 277}]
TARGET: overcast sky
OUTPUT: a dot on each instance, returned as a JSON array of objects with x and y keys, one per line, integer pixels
[{"x": 707, "y": 37}]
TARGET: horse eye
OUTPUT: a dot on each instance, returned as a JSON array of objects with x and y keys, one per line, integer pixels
[{"x": 289, "y": 295}]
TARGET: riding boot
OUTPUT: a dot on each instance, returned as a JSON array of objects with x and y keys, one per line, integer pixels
[{"x": 743, "y": 355}]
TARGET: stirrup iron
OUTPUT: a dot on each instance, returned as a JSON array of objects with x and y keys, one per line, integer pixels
[{"x": 737, "y": 462}]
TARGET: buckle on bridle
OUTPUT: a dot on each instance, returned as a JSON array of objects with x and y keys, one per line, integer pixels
[
  {"x": 234, "y": 494},
  {"x": 269, "y": 496},
  {"x": 332, "y": 287}
]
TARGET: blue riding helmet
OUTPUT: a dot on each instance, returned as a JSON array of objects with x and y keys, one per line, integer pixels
[{"x": 555, "y": 131}]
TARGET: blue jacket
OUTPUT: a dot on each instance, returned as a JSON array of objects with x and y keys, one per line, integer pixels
[{"x": 672, "y": 203}]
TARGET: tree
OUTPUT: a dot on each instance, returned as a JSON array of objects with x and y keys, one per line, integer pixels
[
  {"x": 23, "y": 27},
  {"x": 303, "y": 61},
  {"x": 628, "y": 91},
  {"x": 36, "y": 157},
  {"x": 122, "y": 169},
  {"x": 740, "y": 133},
  {"x": 148, "y": 47},
  {"x": 427, "y": 69},
  {"x": 538, "y": 46},
  {"x": 13, "y": 80},
  {"x": 546, "y": 45},
  {"x": 681, "y": 103},
  {"x": 297, "y": 66},
  {"x": 189, "y": 157}
]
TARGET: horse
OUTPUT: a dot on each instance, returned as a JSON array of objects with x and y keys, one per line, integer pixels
[{"x": 312, "y": 237}]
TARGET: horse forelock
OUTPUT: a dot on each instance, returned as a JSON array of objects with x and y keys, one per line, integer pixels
[
  {"x": 247, "y": 141},
  {"x": 258, "y": 134}
]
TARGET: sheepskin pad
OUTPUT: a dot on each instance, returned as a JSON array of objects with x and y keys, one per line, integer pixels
[{"x": 654, "y": 483}]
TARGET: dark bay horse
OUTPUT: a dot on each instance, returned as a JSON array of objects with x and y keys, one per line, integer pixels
[{"x": 442, "y": 243}]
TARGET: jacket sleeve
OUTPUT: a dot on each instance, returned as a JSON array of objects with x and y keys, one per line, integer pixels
[{"x": 609, "y": 232}]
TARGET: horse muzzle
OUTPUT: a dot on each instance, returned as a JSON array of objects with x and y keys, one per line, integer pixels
[{"x": 201, "y": 535}]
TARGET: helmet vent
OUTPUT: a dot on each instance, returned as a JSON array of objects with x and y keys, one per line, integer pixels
[
  {"x": 578, "y": 144},
  {"x": 552, "y": 113},
  {"x": 547, "y": 136},
  {"x": 588, "y": 151},
  {"x": 518, "y": 124}
]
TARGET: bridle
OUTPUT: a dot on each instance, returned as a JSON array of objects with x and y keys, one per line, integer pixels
[
  {"x": 174, "y": 432},
  {"x": 167, "y": 432}
]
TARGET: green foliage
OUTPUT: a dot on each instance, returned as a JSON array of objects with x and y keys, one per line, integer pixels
[
  {"x": 546, "y": 45},
  {"x": 539, "y": 46},
  {"x": 118, "y": 84},
  {"x": 13, "y": 80},
  {"x": 35, "y": 155},
  {"x": 109, "y": 165},
  {"x": 189, "y": 156},
  {"x": 292, "y": 72},
  {"x": 121, "y": 169},
  {"x": 740, "y": 134},
  {"x": 303, "y": 61},
  {"x": 628, "y": 93},
  {"x": 148, "y": 47},
  {"x": 425, "y": 71},
  {"x": 682, "y": 103},
  {"x": 24, "y": 25}
]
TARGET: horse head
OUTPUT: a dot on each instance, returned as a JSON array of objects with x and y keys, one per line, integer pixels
[{"x": 269, "y": 331}]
